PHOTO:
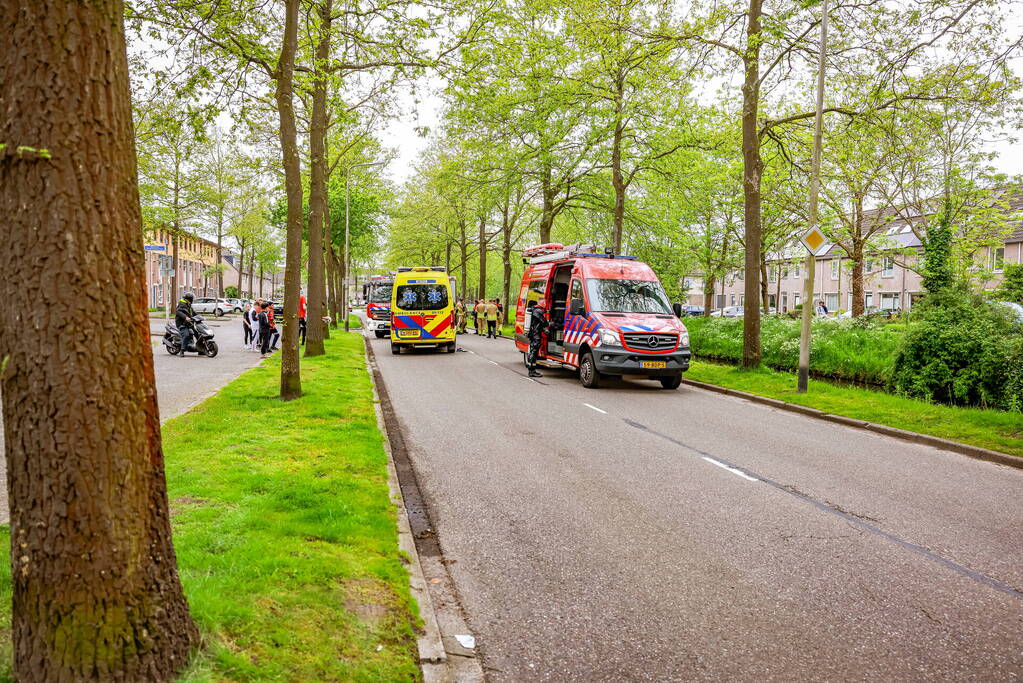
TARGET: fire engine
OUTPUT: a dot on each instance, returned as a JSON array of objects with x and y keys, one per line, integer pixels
[
  {"x": 608, "y": 315},
  {"x": 377, "y": 294}
]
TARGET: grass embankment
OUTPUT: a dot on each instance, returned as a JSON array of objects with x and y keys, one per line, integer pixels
[
  {"x": 285, "y": 533},
  {"x": 997, "y": 430},
  {"x": 842, "y": 349}
]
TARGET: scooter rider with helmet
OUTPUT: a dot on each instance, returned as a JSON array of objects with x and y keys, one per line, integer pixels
[
  {"x": 183, "y": 315},
  {"x": 538, "y": 324}
]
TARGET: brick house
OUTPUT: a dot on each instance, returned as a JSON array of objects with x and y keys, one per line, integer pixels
[
  {"x": 890, "y": 279},
  {"x": 195, "y": 256}
]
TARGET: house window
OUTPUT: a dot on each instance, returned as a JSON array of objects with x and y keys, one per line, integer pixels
[
  {"x": 888, "y": 267},
  {"x": 742, "y": 273},
  {"x": 732, "y": 300},
  {"x": 795, "y": 270},
  {"x": 784, "y": 302},
  {"x": 834, "y": 268},
  {"x": 771, "y": 301},
  {"x": 997, "y": 258},
  {"x": 785, "y": 274},
  {"x": 868, "y": 299},
  {"x": 831, "y": 301},
  {"x": 742, "y": 299},
  {"x": 889, "y": 301},
  {"x": 795, "y": 300},
  {"x": 771, "y": 275}
]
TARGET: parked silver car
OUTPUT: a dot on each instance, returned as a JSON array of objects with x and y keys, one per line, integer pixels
[{"x": 208, "y": 304}]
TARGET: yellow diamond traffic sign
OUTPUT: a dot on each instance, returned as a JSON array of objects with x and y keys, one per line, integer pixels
[{"x": 813, "y": 240}]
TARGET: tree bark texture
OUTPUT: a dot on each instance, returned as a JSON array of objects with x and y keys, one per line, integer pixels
[
  {"x": 318, "y": 187},
  {"x": 547, "y": 192},
  {"x": 752, "y": 168},
  {"x": 506, "y": 247},
  {"x": 291, "y": 380},
  {"x": 617, "y": 178},
  {"x": 483, "y": 257},
  {"x": 95, "y": 582}
]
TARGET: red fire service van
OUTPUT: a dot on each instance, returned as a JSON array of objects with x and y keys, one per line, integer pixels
[
  {"x": 609, "y": 315},
  {"x": 377, "y": 293}
]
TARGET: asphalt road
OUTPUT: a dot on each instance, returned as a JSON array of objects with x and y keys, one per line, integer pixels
[
  {"x": 636, "y": 534},
  {"x": 180, "y": 382}
]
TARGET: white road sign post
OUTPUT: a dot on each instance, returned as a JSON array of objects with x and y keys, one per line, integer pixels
[{"x": 814, "y": 239}]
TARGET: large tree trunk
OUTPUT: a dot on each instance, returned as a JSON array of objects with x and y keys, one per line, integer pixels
[
  {"x": 318, "y": 187},
  {"x": 96, "y": 594},
  {"x": 752, "y": 167},
  {"x": 765, "y": 297},
  {"x": 617, "y": 179},
  {"x": 325, "y": 299},
  {"x": 506, "y": 232},
  {"x": 463, "y": 246},
  {"x": 547, "y": 194},
  {"x": 857, "y": 281},
  {"x": 483, "y": 257},
  {"x": 241, "y": 272},
  {"x": 708, "y": 295},
  {"x": 175, "y": 293},
  {"x": 291, "y": 380}
]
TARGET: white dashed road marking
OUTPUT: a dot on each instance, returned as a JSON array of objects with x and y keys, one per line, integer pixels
[
  {"x": 730, "y": 469},
  {"x": 595, "y": 408}
]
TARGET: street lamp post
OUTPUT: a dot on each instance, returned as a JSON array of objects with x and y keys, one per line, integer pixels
[{"x": 348, "y": 261}]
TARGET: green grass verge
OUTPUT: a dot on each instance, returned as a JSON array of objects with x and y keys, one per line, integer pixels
[
  {"x": 285, "y": 533},
  {"x": 994, "y": 429}
]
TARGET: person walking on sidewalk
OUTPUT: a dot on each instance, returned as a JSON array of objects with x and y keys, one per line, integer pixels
[
  {"x": 537, "y": 327},
  {"x": 247, "y": 326},
  {"x": 301, "y": 319},
  {"x": 257, "y": 308},
  {"x": 490, "y": 313},
  {"x": 264, "y": 331}
]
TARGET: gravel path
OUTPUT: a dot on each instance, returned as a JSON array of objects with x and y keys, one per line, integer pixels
[{"x": 180, "y": 382}]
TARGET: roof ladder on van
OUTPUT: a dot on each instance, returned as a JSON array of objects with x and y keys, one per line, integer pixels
[{"x": 546, "y": 253}]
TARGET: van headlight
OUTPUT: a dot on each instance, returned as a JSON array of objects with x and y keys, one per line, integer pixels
[
  {"x": 684, "y": 339},
  {"x": 609, "y": 338}
]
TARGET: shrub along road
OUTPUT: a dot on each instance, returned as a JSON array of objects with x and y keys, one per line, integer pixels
[{"x": 632, "y": 532}]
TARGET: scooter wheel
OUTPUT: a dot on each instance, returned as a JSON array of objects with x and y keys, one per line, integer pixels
[
  {"x": 211, "y": 349},
  {"x": 172, "y": 349}
]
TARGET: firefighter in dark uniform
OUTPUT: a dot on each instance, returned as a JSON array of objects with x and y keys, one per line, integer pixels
[
  {"x": 538, "y": 324},
  {"x": 183, "y": 315}
]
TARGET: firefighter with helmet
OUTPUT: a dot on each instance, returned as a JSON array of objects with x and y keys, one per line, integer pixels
[{"x": 538, "y": 325}]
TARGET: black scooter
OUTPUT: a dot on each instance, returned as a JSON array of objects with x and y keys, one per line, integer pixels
[{"x": 201, "y": 334}]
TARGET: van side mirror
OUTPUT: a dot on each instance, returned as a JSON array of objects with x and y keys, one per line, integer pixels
[
  {"x": 677, "y": 309},
  {"x": 578, "y": 307}
]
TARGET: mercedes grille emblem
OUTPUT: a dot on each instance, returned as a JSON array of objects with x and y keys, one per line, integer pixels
[{"x": 652, "y": 342}]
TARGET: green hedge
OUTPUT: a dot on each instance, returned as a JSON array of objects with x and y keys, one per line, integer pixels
[{"x": 851, "y": 350}]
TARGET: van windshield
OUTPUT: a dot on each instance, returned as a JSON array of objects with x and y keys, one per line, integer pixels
[
  {"x": 627, "y": 296},
  {"x": 424, "y": 297},
  {"x": 380, "y": 293}
]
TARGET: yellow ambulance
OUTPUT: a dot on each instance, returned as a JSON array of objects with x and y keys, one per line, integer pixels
[{"x": 422, "y": 309}]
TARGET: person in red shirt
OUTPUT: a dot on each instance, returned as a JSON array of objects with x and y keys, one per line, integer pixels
[{"x": 301, "y": 318}]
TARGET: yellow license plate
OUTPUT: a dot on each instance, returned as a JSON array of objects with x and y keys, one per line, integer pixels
[
  {"x": 653, "y": 364},
  {"x": 408, "y": 333}
]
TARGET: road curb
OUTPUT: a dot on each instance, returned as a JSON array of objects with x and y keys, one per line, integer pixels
[
  {"x": 429, "y": 643},
  {"x": 914, "y": 437},
  {"x": 459, "y": 665}
]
